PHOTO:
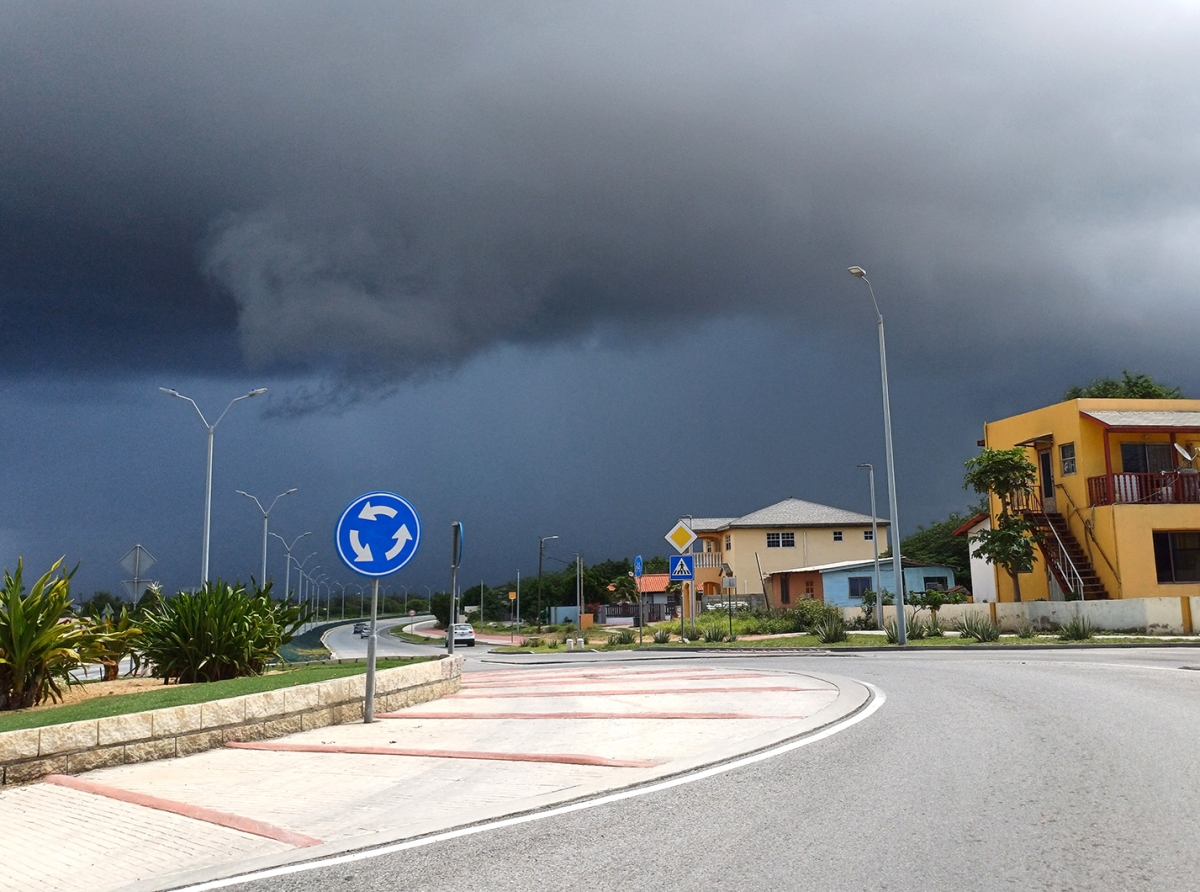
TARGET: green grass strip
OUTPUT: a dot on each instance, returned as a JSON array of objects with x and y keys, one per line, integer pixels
[{"x": 184, "y": 695}]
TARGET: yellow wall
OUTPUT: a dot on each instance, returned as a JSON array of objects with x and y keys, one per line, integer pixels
[
  {"x": 1122, "y": 533},
  {"x": 814, "y": 546}
]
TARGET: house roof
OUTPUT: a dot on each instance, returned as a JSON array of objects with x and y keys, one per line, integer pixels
[
  {"x": 788, "y": 513},
  {"x": 710, "y": 524},
  {"x": 799, "y": 513},
  {"x": 884, "y": 564},
  {"x": 966, "y": 527},
  {"x": 1150, "y": 419},
  {"x": 653, "y": 583}
]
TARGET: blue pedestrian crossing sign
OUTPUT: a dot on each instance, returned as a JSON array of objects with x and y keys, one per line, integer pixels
[
  {"x": 637, "y": 566},
  {"x": 377, "y": 534},
  {"x": 682, "y": 566}
]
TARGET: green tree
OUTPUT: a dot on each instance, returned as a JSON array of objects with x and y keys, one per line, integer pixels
[
  {"x": 937, "y": 544},
  {"x": 1009, "y": 475},
  {"x": 1134, "y": 387}
]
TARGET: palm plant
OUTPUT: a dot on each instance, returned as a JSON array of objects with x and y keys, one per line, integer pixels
[
  {"x": 220, "y": 632},
  {"x": 39, "y": 638}
]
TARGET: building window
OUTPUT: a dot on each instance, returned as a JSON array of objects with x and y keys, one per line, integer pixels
[
  {"x": 837, "y": 535},
  {"x": 1066, "y": 457},
  {"x": 781, "y": 540},
  {"x": 809, "y": 591},
  {"x": 772, "y": 540},
  {"x": 937, "y": 583},
  {"x": 1147, "y": 458},
  {"x": 728, "y": 542},
  {"x": 1177, "y": 556},
  {"x": 859, "y": 586},
  {"x": 868, "y": 535}
]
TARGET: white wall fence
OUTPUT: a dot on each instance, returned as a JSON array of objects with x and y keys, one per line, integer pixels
[{"x": 1153, "y": 616}]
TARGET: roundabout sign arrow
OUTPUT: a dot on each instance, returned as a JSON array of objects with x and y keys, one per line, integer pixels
[{"x": 377, "y": 534}]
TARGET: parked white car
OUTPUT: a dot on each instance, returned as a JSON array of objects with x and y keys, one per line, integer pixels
[{"x": 463, "y": 634}]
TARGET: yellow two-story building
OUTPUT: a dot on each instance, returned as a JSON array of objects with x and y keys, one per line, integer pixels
[{"x": 1117, "y": 500}]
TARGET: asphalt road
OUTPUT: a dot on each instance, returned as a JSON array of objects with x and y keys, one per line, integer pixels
[
  {"x": 1006, "y": 771},
  {"x": 342, "y": 641}
]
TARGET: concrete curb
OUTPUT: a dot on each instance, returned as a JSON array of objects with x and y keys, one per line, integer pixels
[{"x": 74, "y": 747}]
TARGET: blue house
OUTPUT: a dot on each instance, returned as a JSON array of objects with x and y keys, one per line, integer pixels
[{"x": 842, "y": 584}]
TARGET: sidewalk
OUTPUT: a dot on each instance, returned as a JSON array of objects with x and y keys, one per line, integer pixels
[{"x": 510, "y": 741}]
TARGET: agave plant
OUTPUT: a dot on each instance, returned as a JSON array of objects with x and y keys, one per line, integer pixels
[
  {"x": 220, "y": 632},
  {"x": 39, "y": 638},
  {"x": 108, "y": 641}
]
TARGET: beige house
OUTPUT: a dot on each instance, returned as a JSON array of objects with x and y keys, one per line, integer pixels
[{"x": 791, "y": 533}]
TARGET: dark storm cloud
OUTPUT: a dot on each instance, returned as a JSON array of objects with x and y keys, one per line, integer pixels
[{"x": 413, "y": 184}]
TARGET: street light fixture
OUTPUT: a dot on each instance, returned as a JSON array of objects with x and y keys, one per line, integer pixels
[
  {"x": 875, "y": 541},
  {"x": 300, "y": 583},
  {"x": 208, "y": 475},
  {"x": 265, "y": 511},
  {"x": 897, "y": 570},
  {"x": 541, "y": 553},
  {"x": 287, "y": 578}
]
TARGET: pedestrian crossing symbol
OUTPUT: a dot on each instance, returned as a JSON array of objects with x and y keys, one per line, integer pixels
[{"x": 682, "y": 567}]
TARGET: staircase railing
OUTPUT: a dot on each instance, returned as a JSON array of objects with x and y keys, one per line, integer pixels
[
  {"x": 1068, "y": 576},
  {"x": 1087, "y": 528}
]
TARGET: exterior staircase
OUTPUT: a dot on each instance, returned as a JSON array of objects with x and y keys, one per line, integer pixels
[{"x": 1065, "y": 557}]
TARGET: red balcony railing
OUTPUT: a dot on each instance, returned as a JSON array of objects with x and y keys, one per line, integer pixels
[{"x": 1164, "y": 487}]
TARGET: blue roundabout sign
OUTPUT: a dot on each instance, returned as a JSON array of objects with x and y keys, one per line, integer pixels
[{"x": 377, "y": 534}]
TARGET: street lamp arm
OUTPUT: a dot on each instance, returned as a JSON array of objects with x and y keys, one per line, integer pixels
[
  {"x": 175, "y": 393},
  {"x": 256, "y": 501},
  {"x": 278, "y": 497},
  {"x": 236, "y": 399}
]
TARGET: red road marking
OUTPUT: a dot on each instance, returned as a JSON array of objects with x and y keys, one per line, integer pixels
[
  {"x": 520, "y": 684},
  {"x": 580, "y": 715},
  {"x": 616, "y": 693},
  {"x": 559, "y": 758},
  {"x": 199, "y": 813}
]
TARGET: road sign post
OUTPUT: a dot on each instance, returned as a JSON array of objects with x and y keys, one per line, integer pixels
[
  {"x": 377, "y": 534},
  {"x": 456, "y": 543},
  {"x": 637, "y": 583},
  {"x": 681, "y": 538}
]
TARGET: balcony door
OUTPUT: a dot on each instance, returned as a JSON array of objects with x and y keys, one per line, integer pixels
[{"x": 1046, "y": 481}]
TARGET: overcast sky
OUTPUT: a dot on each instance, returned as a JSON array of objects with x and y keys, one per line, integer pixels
[{"x": 563, "y": 269}]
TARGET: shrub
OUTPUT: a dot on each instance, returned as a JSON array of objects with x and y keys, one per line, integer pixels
[
  {"x": 662, "y": 636},
  {"x": 933, "y": 628},
  {"x": 979, "y": 627},
  {"x": 805, "y": 615},
  {"x": 712, "y": 632},
  {"x": 553, "y": 644},
  {"x": 623, "y": 636},
  {"x": 109, "y": 640},
  {"x": 39, "y": 638},
  {"x": 532, "y": 642},
  {"x": 830, "y": 629},
  {"x": 1026, "y": 630},
  {"x": 1078, "y": 628},
  {"x": 219, "y": 632}
]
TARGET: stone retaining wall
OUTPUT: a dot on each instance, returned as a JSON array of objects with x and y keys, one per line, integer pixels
[{"x": 76, "y": 747}]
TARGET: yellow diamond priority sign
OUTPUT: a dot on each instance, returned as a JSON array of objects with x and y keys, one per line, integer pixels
[{"x": 681, "y": 536}]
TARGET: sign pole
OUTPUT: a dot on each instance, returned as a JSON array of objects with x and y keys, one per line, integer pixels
[{"x": 369, "y": 702}]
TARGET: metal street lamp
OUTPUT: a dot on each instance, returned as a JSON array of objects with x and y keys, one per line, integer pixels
[
  {"x": 897, "y": 570},
  {"x": 287, "y": 578},
  {"x": 300, "y": 583},
  {"x": 208, "y": 476},
  {"x": 342, "y": 589},
  {"x": 875, "y": 541},
  {"x": 265, "y": 511},
  {"x": 541, "y": 553}
]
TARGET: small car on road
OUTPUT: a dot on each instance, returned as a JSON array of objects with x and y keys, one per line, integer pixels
[{"x": 463, "y": 634}]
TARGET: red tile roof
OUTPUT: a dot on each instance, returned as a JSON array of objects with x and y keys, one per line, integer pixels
[{"x": 654, "y": 583}]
